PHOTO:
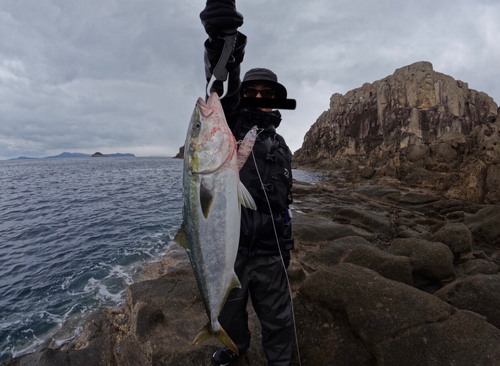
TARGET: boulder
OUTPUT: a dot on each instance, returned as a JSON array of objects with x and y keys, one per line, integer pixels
[
  {"x": 417, "y": 152},
  {"x": 479, "y": 293},
  {"x": 462, "y": 340},
  {"x": 316, "y": 229},
  {"x": 405, "y": 232},
  {"x": 432, "y": 262},
  {"x": 379, "y": 192},
  {"x": 332, "y": 253},
  {"x": 375, "y": 221},
  {"x": 377, "y": 308},
  {"x": 325, "y": 337},
  {"x": 485, "y": 226},
  {"x": 478, "y": 266},
  {"x": 370, "y": 320},
  {"x": 367, "y": 172},
  {"x": 393, "y": 267},
  {"x": 296, "y": 273},
  {"x": 456, "y": 236},
  {"x": 416, "y": 198},
  {"x": 443, "y": 152}
]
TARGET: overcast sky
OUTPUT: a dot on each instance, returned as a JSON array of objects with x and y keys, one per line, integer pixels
[{"x": 124, "y": 75}]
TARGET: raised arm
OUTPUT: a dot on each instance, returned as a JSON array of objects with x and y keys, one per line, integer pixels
[{"x": 221, "y": 19}]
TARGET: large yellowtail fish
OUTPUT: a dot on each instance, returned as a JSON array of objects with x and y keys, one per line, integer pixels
[{"x": 212, "y": 195}]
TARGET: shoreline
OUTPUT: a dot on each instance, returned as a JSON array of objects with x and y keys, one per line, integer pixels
[{"x": 352, "y": 230}]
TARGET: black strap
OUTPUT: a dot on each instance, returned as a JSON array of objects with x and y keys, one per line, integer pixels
[{"x": 220, "y": 72}]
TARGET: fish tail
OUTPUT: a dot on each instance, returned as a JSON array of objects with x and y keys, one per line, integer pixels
[
  {"x": 221, "y": 335},
  {"x": 224, "y": 338}
]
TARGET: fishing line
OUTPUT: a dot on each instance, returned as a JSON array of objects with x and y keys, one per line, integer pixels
[{"x": 281, "y": 256}]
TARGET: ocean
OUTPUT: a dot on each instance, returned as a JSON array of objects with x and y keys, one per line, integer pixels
[{"x": 74, "y": 234}]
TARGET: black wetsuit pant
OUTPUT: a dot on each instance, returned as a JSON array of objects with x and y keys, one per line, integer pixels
[{"x": 265, "y": 280}]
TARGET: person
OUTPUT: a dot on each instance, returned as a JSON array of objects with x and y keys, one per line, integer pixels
[{"x": 265, "y": 234}]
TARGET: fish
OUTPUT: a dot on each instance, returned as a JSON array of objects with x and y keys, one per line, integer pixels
[{"x": 212, "y": 199}]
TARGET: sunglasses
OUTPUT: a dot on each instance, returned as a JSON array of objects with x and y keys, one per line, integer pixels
[{"x": 264, "y": 93}]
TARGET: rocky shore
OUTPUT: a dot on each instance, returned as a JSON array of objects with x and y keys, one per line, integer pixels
[
  {"x": 397, "y": 254},
  {"x": 382, "y": 275}
]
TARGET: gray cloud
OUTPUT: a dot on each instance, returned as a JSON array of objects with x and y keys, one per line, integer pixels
[{"x": 123, "y": 76}]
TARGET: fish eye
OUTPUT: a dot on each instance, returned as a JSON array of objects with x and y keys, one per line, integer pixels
[{"x": 197, "y": 125}]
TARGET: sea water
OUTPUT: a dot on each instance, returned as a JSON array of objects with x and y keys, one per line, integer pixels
[{"x": 74, "y": 233}]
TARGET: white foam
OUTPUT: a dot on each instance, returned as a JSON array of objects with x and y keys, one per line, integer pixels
[
  {"x": 31, "y": 346},
  {"x": 119, "y": 272},
  {"x": 101, "y": 291},
  {"x": 59, "y": 342}
]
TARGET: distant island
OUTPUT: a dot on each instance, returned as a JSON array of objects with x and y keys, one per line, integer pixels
[
  {"x": 117, "y": 155},
  {"x": 68, "y": 155},
  {"x": 82, "y": 155}
]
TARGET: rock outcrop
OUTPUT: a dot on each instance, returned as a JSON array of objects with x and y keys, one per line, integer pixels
[
  {"x": 417, "y": 125},
  {"x": 180, "y": 154}
]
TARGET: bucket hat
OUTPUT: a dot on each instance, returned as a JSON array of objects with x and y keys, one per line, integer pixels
[{"x": 267, "y": 76}]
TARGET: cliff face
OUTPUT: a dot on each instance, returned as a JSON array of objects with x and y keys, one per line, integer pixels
[{"x": 420, "y": 126}]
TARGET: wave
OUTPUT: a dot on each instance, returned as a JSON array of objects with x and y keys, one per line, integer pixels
[{"x": 74, "y": 235}]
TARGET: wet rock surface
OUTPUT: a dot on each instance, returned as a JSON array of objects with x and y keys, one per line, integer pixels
[
  {"x": 424, "y": 292},
  {"x": 382, "y": 274}
]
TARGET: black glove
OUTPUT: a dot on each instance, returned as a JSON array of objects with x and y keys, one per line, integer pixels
[{"x": 220, "y": 16}]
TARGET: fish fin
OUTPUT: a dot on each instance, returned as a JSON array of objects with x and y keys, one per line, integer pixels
[
  {"x": 180, "y": 238},
  {"x": 206, "y": 199},
  {"x": 224, "y": 338},
  {"x": 204, "y": 334},
  {"x": 235, "y": 282},
  {"x": 245, "y": 197},
  {"x": 246, "y": 146},
  {"x": 221, "y": 335}
]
